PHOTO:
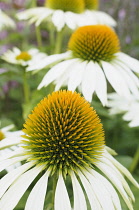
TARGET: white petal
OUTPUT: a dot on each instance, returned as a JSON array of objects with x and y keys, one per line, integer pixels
[
  {"x": 7, "y": 128},
  {"x": 101, "y": 85},
  {"x": 104, "y": 18},
  {"x": 132, "y": 63},
  {"x": 4, "y": 164},
  {"x": 130, "y": 78},
  {"x": 76, "y": 76},
  {"x": 79, "y": 198},
  {"x": 49, "y": 60},
  {"x": 36, "y": 198},
  {"x": 8, "y": 153},
  {"x": 9, "y": 178},
  {"x": 109, "y": 187},
  {"x": 63, "y": 79},
  {"x": 101, "y": 192},
  {"x": 89, "y": 81},
  {"x": 16, "y": 191},
  {"x": 123, "y": 170},
  {"x": 116, "y": 182},
  {"x": 119, "y": 176},
  {"x": 70, "y": 20},
  {"x": 62, "y": 201},
  {"x": 9, "y": 142},
  {"x": 43, "y": 17},
  {"x": 58, "y": 19},
  {"x": 55, "y": 72},
  {"x": 94, "y": 203},
  {"x": 114, "y": 78}
]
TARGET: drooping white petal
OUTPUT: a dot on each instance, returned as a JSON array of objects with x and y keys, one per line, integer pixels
[
  {"x": 130, "y": 78},
  {"x": 114, "y": 78},
  {"x": 16, "y": 191},
  {"x": 123, "y": 170},
  {"x": 101, "y": 192},
  {"x": 63, "y": 79},
  {"x": 8, "y": 153},
  {"x": 116, "y": 182},
  {"x": 119, "y": 176},
  {"x": 7, "y": 142},
  {"x": 36, "y": 198},
  {"x": 130, "y": 83},
  {"x": 43, "y": 17},
  {"x": 9, "y": 178},
  {"x": 70, "y": 20},
  {"x": 94, "y": 203},
  {"x": 79, "y": 198},
  {"x": 109, "y": 187},
  {"x": 7, "y": 128},
  {"x": 101, "y": 85},
  {"x": 62, "y": 200},
  {"x": 89, "y": 81},
  {"x": 55, "y": 72},
  {"x": 58, "y": 19},
  {"x": 132, "y": 63},
  {"x": 49, "y": 60},
  {"x": 76, "y": 76},
  {"x": 104, "y": 18},
  {"x": 5, "y": 163}
]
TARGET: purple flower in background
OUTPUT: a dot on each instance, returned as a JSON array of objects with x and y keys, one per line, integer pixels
[
  {"x": 3, "y": 34},
  {"x": 2, "y": 70},
  {"x": 128, "y": 39},
  {"x": 4, "y": 48},
  {"x": 20, "y": 26},
  {"x": 4, "y": 6},
  {"x": 121, "y": 14},
  {"x": 10, "y": 84}
]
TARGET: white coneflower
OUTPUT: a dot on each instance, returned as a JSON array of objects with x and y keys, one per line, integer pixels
[
  {"x": 24, "y": 58},
  {"x": 5, "y": 21},
  {"x": 9, "y": 138},
  {"x": 93, "y": 57},
  {"x": 64, "y": 138},
  {"x": 128, "y": 107},
  {"x": 72, "y": 13}
]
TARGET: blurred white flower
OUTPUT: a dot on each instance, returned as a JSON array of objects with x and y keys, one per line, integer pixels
[
  {"x": 64, "y": 138},
  {"x": 71, "y": 13},
  {"x": 10, "y": 138},
  {"x": 24, "y": 58},
  {"x": 93, "y": 57},
  {"x": 5, "y": 21},
  {"x": 128, "y": 107}
]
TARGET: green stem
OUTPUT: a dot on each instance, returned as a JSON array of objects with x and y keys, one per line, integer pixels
[
  {"x": 54, "y": 188},
  {"x": 58, "y": 42},
  {"x": 52, "y": 38},
  {"x": 135, "y": 161},
  {"x": 25, "y": 87},
  {"x": 38, "y": 36}
]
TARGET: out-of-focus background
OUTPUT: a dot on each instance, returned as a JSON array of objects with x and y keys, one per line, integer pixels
[{"x": 119, "y": 136}]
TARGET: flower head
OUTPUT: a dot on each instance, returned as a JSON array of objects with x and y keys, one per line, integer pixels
[
  {"x": 5, "y": 21},
  {"x": 93, "y": 56},
  {"x": 70, "y": 13},
  {"x": 64, "y": 137},
  {"x": 128, "y": 107},
  {"x": 73, "y": 136},
  {"x": 23, "y": 58},
  {"x": 94, "y": 43}
]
